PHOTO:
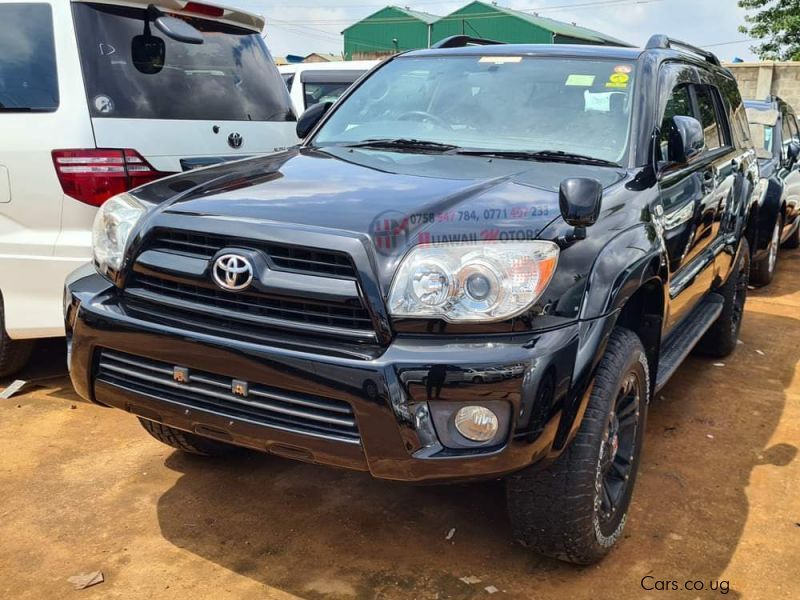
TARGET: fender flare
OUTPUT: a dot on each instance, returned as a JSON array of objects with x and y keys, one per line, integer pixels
[
  {"x": 629, "y": 260},
  {"x": 768, "y": 213}
]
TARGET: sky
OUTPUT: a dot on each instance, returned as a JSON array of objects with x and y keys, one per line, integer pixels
[{"x": 304, "y": 26}]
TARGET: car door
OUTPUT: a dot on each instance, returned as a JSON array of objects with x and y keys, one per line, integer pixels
[
  {"x": 789, "y": 171},
  {"x": 688, "y": 194}
]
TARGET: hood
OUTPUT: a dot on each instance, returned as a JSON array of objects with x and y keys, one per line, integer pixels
[
  {"x": 396, "y": 199},
  {"x": 350, "y": 189}
]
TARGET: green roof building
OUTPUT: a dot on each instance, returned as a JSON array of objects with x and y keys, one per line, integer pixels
[
  {"x": 388, "y": 31},
  {"x": 479, "y": 19},
  {"x": 394, "y": 29}
]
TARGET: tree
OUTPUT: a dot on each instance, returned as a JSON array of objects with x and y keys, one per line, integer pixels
[{"x": 776, "y": 24}]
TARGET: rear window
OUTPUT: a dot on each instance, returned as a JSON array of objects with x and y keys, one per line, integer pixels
[
  {"x": 229, "y": 77},
  {"x": 28, "y": 80}
]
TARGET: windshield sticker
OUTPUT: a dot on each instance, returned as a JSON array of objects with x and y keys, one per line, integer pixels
[
  {"x": 600, "y": 102},
  {"x": 580, "y": 80},
  {"x": 500, "y": 60},
  {"x": 103, "y": 104},
  {"x": 618, "y": 80},
  {"x": 623, "y": 69}
]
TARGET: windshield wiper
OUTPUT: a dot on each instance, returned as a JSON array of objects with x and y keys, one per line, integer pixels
[
  {"x": 403, "y": 144},
  {"x": 543, "y": 155}
]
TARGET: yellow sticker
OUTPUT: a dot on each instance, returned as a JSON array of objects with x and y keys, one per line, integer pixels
[
  {"x": 500, "y": 60},
  {"x": 619, "y": 78},
  {"x": 611, "y": 84},
  {"x": 580, "y": 80}
]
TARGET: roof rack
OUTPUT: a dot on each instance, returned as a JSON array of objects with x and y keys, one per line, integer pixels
[
  {"x": 660, "y": 41},
  {"x": 461, "y": 41}
]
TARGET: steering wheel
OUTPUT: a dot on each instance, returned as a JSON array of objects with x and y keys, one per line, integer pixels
[{"x": 421, "y": 115}]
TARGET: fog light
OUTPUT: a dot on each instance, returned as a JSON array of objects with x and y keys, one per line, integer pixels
[{"x": 476, "y": 423}]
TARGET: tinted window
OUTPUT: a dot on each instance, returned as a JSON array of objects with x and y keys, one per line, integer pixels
[
  {"x": 230, "y": 76},
  {"x": 28, "y": 79},
  {"x": 678, "y": 104},
  {"x": 739, "y": 123},
  {"x": 792, "y": 126},
  {"x": 708, "y": 117}
]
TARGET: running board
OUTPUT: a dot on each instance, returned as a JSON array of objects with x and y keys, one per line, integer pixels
[{"x": 685, "y": 337}]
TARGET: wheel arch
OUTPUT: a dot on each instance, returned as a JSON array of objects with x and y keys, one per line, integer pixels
[
  {"x": 769, "y": 211},
  {"x": 643, "y": 313}
]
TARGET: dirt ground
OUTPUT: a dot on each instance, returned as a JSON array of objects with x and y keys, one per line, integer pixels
[{"x": 83, "y": 488}]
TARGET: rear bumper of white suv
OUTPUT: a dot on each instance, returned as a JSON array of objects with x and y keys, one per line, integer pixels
[{"x": 32, "y": 289}]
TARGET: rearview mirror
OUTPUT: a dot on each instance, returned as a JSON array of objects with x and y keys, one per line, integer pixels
[
  {"x": 686, "y": 139},
  {"x": 148, "y": 53},
  {"x": 793, "y": 152},
  {"x": 309, "y": 119},
  {"x": 579, "y": 199},
  {"x": 178, "y": 30}
]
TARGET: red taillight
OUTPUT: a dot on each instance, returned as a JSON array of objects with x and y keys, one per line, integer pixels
[
  {"x": 93, "y": 176},
  {"x": 204, "y": 9}
]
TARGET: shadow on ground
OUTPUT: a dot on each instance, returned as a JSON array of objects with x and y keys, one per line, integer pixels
[
  {"x": 47, "y": 368},
  {"x": 318, "y": 532}
]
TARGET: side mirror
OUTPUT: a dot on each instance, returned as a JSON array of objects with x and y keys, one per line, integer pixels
[
  {"x": 178, "y": 30},
  {"x": 579, "y": 199},
  {"x": 793, "y": 152},
  {"x": 148, "y": 53},
  {"x": 309, "y": 119},
  {"x": 687, "y": 139}
]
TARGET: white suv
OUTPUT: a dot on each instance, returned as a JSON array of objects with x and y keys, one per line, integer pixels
[
  {"x": 312, "y": 83},
  {"x": 99, "y": 97}
]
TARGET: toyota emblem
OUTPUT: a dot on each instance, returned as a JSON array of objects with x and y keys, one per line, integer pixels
[
  {"x": 232, "y": 272},
  {"x": 235, "y": 140}
]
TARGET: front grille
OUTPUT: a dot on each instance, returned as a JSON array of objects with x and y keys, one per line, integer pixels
[
  {"x": 283, "y": 257},
  {"x": 255, "y": 309},
  {"x": 287, "y": 411}
]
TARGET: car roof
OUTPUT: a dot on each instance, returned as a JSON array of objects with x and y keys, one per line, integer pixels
[
  {"x": 339, "y": 65},
  {"x": 576, "y": 50}
]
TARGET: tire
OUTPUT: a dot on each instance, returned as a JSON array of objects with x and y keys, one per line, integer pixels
[
  {"x": 720, "y": 340},
  {"x": 477, "y": 379},
  {"x": 185, "y": 441},
  {"x": 794, "y": 240},
  {"x": 762, "y": 271},
  {"x": 14, "y": 354},
  {"x": 563, "y": 511}
]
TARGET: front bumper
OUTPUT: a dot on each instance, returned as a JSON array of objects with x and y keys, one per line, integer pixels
[{"x": 397, "y": 409}]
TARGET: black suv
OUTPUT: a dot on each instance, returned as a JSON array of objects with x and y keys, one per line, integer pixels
[
  {"x": 776, "y": 138},
  {"x": 483, "y": 261}
]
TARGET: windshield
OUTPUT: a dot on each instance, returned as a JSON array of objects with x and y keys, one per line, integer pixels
[
  {"x": 500, "y": 103},
  {"x": 229, "y": 77},
  {"x": 762, "y": 139}
]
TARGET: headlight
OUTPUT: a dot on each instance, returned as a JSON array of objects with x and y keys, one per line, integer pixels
[
  {"x": 485, "y": 281},
  {"x": 112, "y": 228}
]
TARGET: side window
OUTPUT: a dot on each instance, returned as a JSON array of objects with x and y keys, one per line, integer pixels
[
  {"x": 28, "y": 79},
  {"x": 741, "y": 126},
  {"x": 678, "y": 104},
  {"x": 793, "y": 127},
  {"x": 708, "y": 116},
  {"x": 786, "y": 133}
]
